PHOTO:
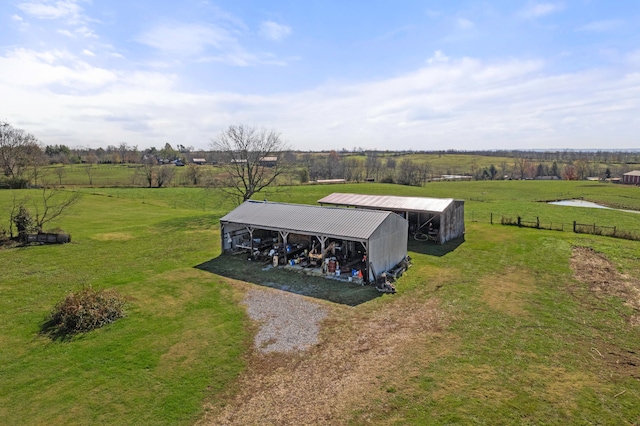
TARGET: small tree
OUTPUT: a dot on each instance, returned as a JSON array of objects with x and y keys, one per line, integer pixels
[
  {"x": 164, "y": 175},
  {"x": 53, "y": 206},
  {"x": 89, "y": 170},
  {"x": 60, "y": 172},
  {"x": 148, "y": 170},
  {"x": 24, "y": 222}
]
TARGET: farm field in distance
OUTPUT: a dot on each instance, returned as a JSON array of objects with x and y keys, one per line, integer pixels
[{"x": 511, "y": 325}]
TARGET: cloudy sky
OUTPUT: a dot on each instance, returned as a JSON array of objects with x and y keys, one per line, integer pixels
[{"x": 402, "y": 74}]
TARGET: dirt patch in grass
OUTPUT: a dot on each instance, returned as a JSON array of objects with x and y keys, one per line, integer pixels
[
  {"x": 604, "y": 280},
  {"x": 507, "y": 292},
  {"x": 360, "y": 352},
  {"x": 113, "y": 236}
]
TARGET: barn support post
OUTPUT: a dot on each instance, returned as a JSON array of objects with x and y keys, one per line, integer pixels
[
  {"x": 285, "y": 236},
  {"x": 367, "y": 264},
  {"x": 250, "y": 237},
  {"x": 222, "y": 239},
  {"x": 323, "y": 240}
]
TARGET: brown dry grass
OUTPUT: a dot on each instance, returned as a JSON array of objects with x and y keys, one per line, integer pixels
[
  {"x": 113, "y": 236},
  {"x": 360, "y": 353},
  {"x": 506, "y": 292}
]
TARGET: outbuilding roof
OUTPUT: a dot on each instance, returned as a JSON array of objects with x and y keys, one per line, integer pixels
[
  {"x": 309, "y": 220},
  {"x": 633, "y": 173},
  {"x": 389, "y": 202}
]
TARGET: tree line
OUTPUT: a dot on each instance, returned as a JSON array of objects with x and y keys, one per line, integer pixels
[{"x": 239, "y": 152}]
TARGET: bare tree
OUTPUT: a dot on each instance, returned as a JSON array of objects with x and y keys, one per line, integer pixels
[
  {"x": 409, "y": 173},
  {"x": 122, "y": 150},
  {"x": 148, "y": 170},
  {"x": 245, "y": 152},
  {"x": 20, "y": 152},
  {"x": 54, "y": 204},
  {"x": 89, "y": 170},
  {"x": 59, "y": 171},
  {"x": 51, "y": 207},
  {"x": 373, "y": 165},
  {"x": 352, "y": 169},
  {"x": 164, "y": 175}
]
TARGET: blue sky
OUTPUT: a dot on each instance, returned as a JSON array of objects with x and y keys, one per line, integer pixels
[{"x": 327, "y": 74}]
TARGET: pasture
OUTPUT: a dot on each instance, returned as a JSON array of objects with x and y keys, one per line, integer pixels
[{"x": 509, "y": 326}]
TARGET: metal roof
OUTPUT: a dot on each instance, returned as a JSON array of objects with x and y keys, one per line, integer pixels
[
  {"x": 633, "y": 173},
  {"x": 306, "y": 219},
  {"x": 389, "y": 202}
]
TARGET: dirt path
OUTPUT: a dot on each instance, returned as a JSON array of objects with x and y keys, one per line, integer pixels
[{"x": 359, "y": 355}]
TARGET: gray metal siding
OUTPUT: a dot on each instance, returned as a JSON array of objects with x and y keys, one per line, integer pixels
[
  {"x": 307, "y": 219},
  {"x": 452, "y": 222},
  {"x": 388, "y": 245},
  {"x": 388, "y": 202}
]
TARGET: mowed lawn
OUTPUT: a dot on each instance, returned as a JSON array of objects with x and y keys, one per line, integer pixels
[
  {"x": 181, "y": 341},
  {"x": 523, "y": 341}
]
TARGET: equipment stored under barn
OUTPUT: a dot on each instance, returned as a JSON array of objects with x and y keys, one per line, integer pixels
[
  {"x": 369, "y": 241},
  {"x": 436, "y": 219}
]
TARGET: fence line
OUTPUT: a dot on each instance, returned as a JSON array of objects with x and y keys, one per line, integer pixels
[{"x": 578, "y": 228}]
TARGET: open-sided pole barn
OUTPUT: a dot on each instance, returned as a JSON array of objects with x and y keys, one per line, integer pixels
[
  {"x": 379, "y": 236},
  {"x": 439, "y": 219}
]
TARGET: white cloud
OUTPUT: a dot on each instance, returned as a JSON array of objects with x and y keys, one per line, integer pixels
[
  {"x": 464, "y": 23},
  {"x": 52, "y": 9},
  {"x": 538, "y": 10},
  {"x": 17, "y": 18},
  {"x": 438, "y": 57},
  {"x": 66, "y": 33},
  {"x": 602, "y": 26},
  {"x": 186, "y": 39},
  {"x": 274, "y": 31},
  {"x": 456, "y": 103},
  {"x": 87, "y": 52},
  {"x": 49, "y": 69},
  {"x": 85, "y": 32}
]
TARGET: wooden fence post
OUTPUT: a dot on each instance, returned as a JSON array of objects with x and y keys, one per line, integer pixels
[
  {"x": 519, "y": 221},
  {"x": 537, "y": 222},
  {"x": 491, "y": 219},
  {"x": 574, "y": 226}
]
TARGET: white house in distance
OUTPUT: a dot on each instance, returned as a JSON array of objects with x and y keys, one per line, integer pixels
[{"x": 632, "y": 178}]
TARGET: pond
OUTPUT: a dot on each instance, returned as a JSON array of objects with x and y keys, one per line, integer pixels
[
  {"x": 582, "y": 203},
  {"x": 578, "y": 203}
]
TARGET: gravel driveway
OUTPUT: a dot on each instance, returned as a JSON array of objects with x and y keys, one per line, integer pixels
[{"x": 288, "y": 322}]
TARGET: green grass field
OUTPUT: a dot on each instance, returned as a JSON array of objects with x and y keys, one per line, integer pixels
[{"x": 523, "y": 341}]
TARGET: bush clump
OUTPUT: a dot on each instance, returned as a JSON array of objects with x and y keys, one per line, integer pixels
[{"x": 84, "y": 311}]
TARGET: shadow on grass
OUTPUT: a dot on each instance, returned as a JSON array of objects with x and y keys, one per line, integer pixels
[
  {"x": 52, "y": 330},
  {"x": 336, "y": 291},
  {"x": 432, "y": 249}
]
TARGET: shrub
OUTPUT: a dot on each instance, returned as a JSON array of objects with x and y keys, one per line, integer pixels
[{"x": 84, "y": 311}]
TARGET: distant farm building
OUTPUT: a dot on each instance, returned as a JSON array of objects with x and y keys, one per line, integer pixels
[
  {"x": 268, "y": 161},
  {"x": 199, "y": 161},
  {"x": 632, "y": 178},
  {"x": 369, "y": 240},
  {"x": 437, "y": 219}
]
